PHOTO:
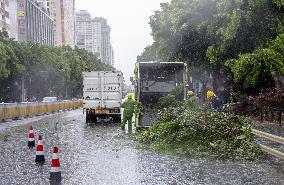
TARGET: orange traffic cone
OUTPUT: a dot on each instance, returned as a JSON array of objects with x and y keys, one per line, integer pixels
[
  {"x": 39, "y": 152},
  {"x": 31, "y": 138},
  {"x": 55, "y": 172}
]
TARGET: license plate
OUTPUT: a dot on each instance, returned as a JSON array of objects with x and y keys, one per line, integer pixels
[{"x": 101, "y": 111}]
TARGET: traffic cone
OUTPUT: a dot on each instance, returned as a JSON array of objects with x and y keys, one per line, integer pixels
[
  {"x": 39, "y": 152},
  {"x": 31, "y": 139},
  {"x": 55, "y": 172}
]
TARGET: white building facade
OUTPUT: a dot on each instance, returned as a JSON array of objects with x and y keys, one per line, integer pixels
[
  {"x": 30, "y": 22},
  {"x": 4, "y": 16},
  {"x": 93, "y": 34},
  {"x": 88, "y": 33},
  {"x": 63, "y": 14}
]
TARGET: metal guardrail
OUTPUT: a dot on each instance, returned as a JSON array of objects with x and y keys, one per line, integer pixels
[
  {"x": 270, "y": 137},
  {"x": 272, "y": 151},
  {"x": 19, "y": 110}
]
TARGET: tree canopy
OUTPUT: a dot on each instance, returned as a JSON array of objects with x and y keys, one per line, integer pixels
[
  {"x": 240, "y": 41},
  {"x": 39, "y": 70}
]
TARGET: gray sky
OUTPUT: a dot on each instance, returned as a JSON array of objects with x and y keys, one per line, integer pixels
[{"x": 130, "y": 31}]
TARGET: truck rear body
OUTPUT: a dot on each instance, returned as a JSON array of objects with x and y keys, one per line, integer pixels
[
  {"x": 154, "y": 80},
  {"x": 102, "y": 94}
]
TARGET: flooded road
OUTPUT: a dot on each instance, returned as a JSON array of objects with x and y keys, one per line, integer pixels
[{"x": 104, "y": 155}]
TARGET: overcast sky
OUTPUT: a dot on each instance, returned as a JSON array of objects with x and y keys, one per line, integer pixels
[{"x": 130, "y": 31}]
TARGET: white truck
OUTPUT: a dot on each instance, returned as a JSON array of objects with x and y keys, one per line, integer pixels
[{"x": 102, "y": 95}]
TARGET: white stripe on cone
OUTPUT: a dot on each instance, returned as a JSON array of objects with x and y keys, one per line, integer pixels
[
  {"x": 39, "y": 153},
  {"x": 55, "y": 156},
  {"x": 55, "y": 169},
  {"x": 31, "y": 139}
]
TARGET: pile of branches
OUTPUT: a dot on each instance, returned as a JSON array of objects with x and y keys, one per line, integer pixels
[{"x": 201, "y": 133}]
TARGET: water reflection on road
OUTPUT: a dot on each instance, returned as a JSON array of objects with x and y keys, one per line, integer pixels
[{"x": 104, "y": 155}]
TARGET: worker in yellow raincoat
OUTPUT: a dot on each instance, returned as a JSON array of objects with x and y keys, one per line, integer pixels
[
  {"x": 129, "y": 108},
  {"x": 193, "y": 101}
]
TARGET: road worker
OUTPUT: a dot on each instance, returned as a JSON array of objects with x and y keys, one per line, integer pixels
[
  {"x": 129, "y": 107},
  {"x": 210, "y": 95},
  {"x": 193, "y": 101}
]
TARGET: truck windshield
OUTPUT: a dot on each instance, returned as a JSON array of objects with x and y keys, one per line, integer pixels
[{"x": 162, "y": 73}]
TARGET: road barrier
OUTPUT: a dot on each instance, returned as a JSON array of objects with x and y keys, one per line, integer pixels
[
  {"x": 272, "y": 151},
  {"x": 20, "y": 110},
  {"x": 270, "y": 137}
]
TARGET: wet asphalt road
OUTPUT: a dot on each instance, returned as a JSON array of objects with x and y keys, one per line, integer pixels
[{"x": 104, "y": 155}]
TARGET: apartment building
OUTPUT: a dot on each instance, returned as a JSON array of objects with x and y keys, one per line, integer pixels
[
  {"x": 4, "y": 16},
  {"x": 93, "y": 34},
  {"x": 63, "y": 14},
  {"x": 30, "y": 22}
]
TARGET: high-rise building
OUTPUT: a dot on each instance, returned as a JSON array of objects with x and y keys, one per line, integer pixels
[
  {"x": 4, "y": 16},
  {"x": 31, "y": 22},
  {"x": 106, "y": 45},
  {"x": 93, "y": 34},
  {"x": 43, "y": 3},
  {"x": 112, "y": 55},
  {"x": 63, "y": 14},
  {"x": 13, "y": 33},
  {"x": 88, "y": 33}
]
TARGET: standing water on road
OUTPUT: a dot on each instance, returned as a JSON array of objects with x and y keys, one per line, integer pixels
[{"x": 104, "y": 155}]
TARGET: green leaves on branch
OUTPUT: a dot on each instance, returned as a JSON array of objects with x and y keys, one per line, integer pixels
[
  {"x": 254, "y": 69},
  {"x": 213, "y": 35},
  {"x": 43, "y": 70},
  {"x": 186, "y": 132}
]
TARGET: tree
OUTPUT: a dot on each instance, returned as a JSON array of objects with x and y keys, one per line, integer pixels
[
  {"x": 255, "y": 69},
  {"x": 225, "y": 38},
  {"x": 149, "y": 54},
  {"x": 38, "y": 70}
]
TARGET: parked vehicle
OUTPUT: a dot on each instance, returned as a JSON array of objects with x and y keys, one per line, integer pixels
[
  {"x": 154, "y": 80},
  {"x": 49, "y": 99},
  {"x": 102, "y": 95}
]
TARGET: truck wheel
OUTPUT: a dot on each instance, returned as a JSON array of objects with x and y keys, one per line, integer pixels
[
  {"x": 93, "y": 120},
  {"x": 116, "y": 119},
  {"x": 87, "y": 118},
  {"x": 119, "y": 119}
]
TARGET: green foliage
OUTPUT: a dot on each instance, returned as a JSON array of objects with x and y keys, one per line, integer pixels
[
  {"x": 279, "y": 2},
  {"x": 172, "y": 99},
  {"x": 43, "y": 70},
  {"x": 221, "y": 37},
  {"x": 167, "y": 101},
  {"x": 149, "y": 54},
  {"x": 186, "y": 132},
  {"x": 254, "y": 69}
]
